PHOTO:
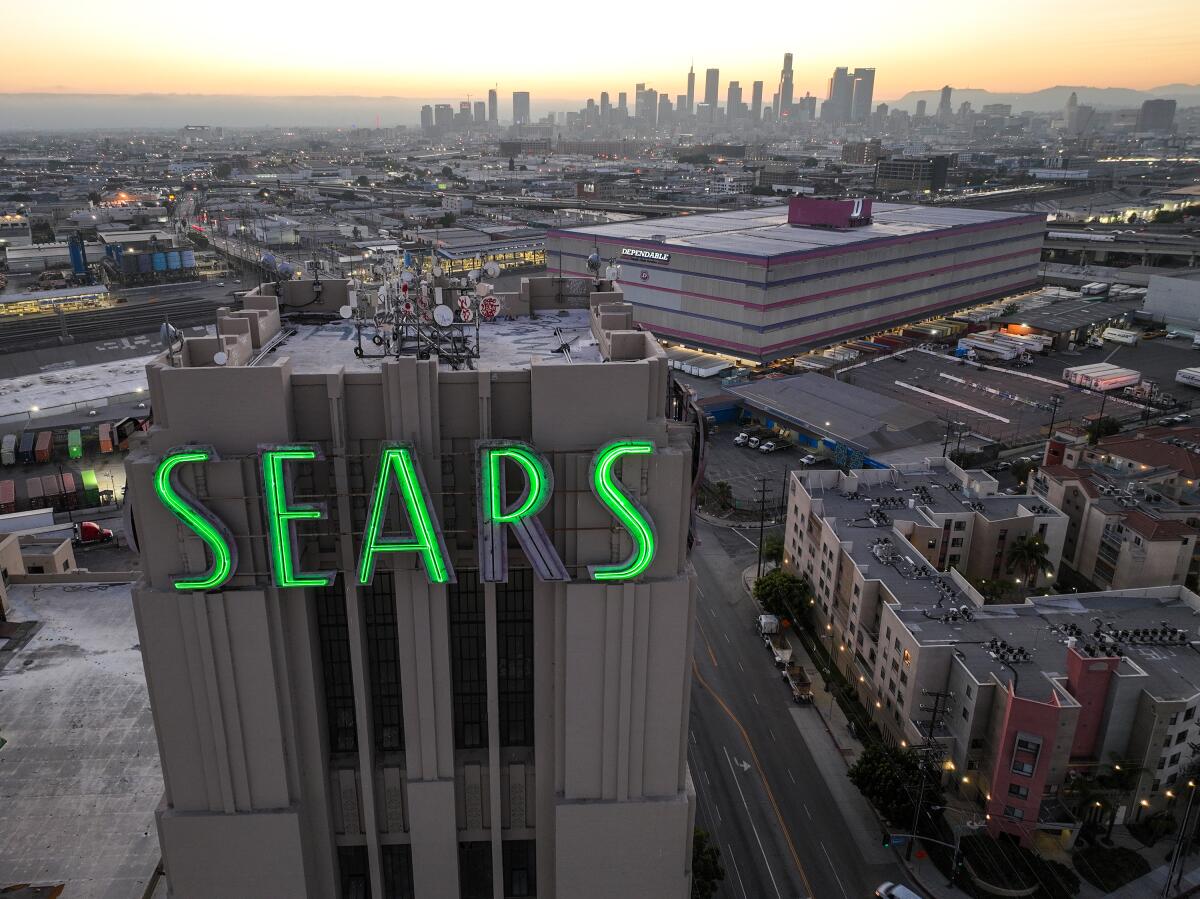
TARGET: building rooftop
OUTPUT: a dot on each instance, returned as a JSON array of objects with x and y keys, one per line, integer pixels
[
  {"x": 765, "y": 232},
  {"x": 1065, "y": 315}
]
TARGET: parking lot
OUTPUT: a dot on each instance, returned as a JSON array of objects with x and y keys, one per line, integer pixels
[
  {"x": 1008, "y": 405},
  {"x": 742, "y": 467},
  {"x": 1157, "y": 360}
]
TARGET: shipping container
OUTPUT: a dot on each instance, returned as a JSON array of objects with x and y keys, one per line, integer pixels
[
  {"x": 8, "y": 497},
  {"x": 8, "y": 449},
  {"x": 1101, "y": 376},
  {"x": 25, "y": 455},
  {"x": 52, "y": 491},
  {"x": 91, "y": 489},
  {"x": 41, "y": 450},
  {"x": 70, "y": 491},
  {"x": 106, "y": 440},
  {"x": 74, "y": 444},
  {"x": 1118, "y": 335},
  {"x": 33, "y": 493},
  {"x": 1188, "y": 376}
]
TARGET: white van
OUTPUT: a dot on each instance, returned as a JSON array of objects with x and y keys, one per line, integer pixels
[{"x": 891, "y": 890}]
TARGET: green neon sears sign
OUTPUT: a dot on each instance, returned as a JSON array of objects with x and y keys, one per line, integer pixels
[
  {"x": 283, "y": 515},
  {"x": 179, "y": 501},
  {"x": 613, "y": 496}
]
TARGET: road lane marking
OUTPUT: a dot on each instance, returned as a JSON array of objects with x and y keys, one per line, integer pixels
[
  {"x": 756, "y": 702},
  {"x": 806, "y": 811},
  {"x": 698, "y": 590},
  {"x": 787, "y": 834},
  {"x": 834, "y": 870},
  {"x": 712, "y": 611},
  {"x": 772, "y": 733},
  {"x": 744, "y": 537},
  {"x": 750, "y": 818},
  {"x": 727, "y": 640},
  {"x": 712, "y": 656},
  {"x": 692, "y": 734},
  {"x": 736, "y": 870},
  {"x": 792, "y": 779},
  {"x": 740, "y": 668}
]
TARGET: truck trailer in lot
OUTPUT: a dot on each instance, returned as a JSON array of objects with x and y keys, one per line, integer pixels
[
  {"x": 1101, "y": 376},
  {"x": 1188, "y": 376},
  {"x": 1119, "y": 335}
]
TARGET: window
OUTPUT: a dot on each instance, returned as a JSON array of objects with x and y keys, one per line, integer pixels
[
  {"x": 965, "y": 714},
  {"x": 1181, "y": 736},
  {"x": 960, "y": 525},
  {"x": 468, "y": 665},
  {"x": 907, "y": 656},
  {"x": 397, "y": 871},
  {"x": 1162, "y": 763},
  {"x": 1174, "y": 759},
  {"x": 1015, "y": 813},
  {"x": 334, "y": 637},
  {"x": 955, "y": 559},
  {"x": 1026, "y": 745},
  {"x": 1189, "y": 714},
  {"x": 475, "y": 869},
  {"x": 957, "y": 541},
  {"x": 1025, "y": 768},
  {"x": 520, "y": 869},
  {"x": 1173, "y": 719},
  {"x": 1018, "y": 791},
  {"x": 383, "y": 649},
  {"x": 514, "y": 646},
  {"x": 355, "y": 875},
  {"x": 1154, "y": 786},
  {"x": 970, "y": 691}
]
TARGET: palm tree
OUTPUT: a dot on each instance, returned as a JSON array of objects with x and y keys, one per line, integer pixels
[{"x": 1027, "y": 554}]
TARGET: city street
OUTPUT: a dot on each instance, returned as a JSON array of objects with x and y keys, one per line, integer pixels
[{"x": 780, "y": 827}]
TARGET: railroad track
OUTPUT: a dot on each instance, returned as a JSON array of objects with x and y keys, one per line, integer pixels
[{"x": 102, "y": 324}]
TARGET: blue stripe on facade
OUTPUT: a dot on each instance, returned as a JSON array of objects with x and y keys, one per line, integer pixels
[
  {"x": 764, "y": 329},
  {"x": 835, "y": 272}
]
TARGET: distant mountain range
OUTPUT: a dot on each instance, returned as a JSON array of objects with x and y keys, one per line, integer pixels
[
  {"x": 68, "y": 112},
  {"x": 1052, "y": 99}
]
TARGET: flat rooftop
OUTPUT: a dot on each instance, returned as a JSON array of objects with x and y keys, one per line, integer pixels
[
  {"x": 79, "y": 777},
  {"x": 503, "y": 345},
  {"x": 1172, "y": 667},
  {"x": 765, "y": 232}
]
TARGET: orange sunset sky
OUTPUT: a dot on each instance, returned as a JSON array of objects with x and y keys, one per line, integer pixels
[{"x": 576, "y": 49}]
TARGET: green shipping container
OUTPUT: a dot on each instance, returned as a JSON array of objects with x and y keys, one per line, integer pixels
[
  {"x": 74, "y": 445},
  {"x": 91, "y": 489}
]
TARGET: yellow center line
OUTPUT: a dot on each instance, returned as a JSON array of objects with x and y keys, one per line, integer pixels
[
  {"x": 761, "y": 774},
  {"x": 707, "y": 645}
]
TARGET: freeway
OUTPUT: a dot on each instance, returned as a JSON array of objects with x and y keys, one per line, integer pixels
[{"x": 781, "y": 830}]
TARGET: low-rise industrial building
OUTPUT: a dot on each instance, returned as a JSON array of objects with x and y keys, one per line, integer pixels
[{"x": 763, "y": 284}]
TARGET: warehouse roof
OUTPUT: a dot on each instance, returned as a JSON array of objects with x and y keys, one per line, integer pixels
[
  {"x": 870, "y": 421},
  {"x": 1068, "y": 315},
  {"x": 765, "y": 232}
]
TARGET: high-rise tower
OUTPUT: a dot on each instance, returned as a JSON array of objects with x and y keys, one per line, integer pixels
[{"x": 785, "y": 88}]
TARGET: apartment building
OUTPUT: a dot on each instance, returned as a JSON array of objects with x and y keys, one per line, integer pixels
[
  {"x": 462, "y": 714},
  {"x": 1036, "y": 692},
  {"x": 1133, "y": 505}
]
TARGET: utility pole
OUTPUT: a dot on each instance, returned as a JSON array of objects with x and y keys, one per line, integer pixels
[
  {"x": 762, "y": 518},
  {"x": 946, "y": 439},
  {"x": 1055, "y": 401},
  {"x": 932, "y": 750}
]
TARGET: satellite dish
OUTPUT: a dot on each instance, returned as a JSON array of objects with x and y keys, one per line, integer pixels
[
  {"x": 593, "y": 262},
  {"x": 473, "y": 275},
  {"x": 220, "y": 358},
  {"x": 407, "y": 277},
  {"x": 483, "y": 290},
  {"x": 437, "y": 271},
  {"x": 491, "y": 268},
  {"x": 169, "y": 333},
  {"x": 443, "y": 316},
  {"x": 346, "y": 312}
]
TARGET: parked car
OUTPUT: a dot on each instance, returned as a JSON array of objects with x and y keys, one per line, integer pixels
[
  {"x": 1167, "y": 422},
  {"x": 1171, "y": 335},
  {"x": 753, "y": 442},
  {"x": 767, "y": 446},
  {"x": 1182, "y": 417},
  {"x": 741, "y": 439},
  {"x": 891, "y": 890},
  {"x": 810, "y": 459}
]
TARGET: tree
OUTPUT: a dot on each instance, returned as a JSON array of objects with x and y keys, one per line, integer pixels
[
  {"x": 724, "y": 494},
  {"x": 707, "y": 872},
  {"x": 1027, "y": 555},
  {"x": 362, "y": 181},
  {"x": 447, "y": 172},
  {"x": 222, "y": 170},
  {"x": 773, "y": 548},
  {"x": 1021, "y": 471},
  {"x": 447, "y": 220},
  {"x": 884, "y": 774},
  {"x": 781, "y": 593},
  {"x": 1101, "y": 428}
]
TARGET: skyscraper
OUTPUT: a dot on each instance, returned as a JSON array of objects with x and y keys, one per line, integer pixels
[
  {"x": 921, "y": 107},
  {"x": 756, "y": 97},
  {"x": 1156, "y": 116},
  {"x": 646, "y": 106},
  {"x": 862, "y": 90},
  {"x": 426, "y": 117},
  {"x": 733, "y": 101},
  {"x": 443, "y": 115},
  {"x": 837, "y": 106},
  {"x": 623, "y": 102},
  {"x": 493, "y": 107},
  {"x": 691, "y": 91},
  {"x": 480, "y": 112},
  {"x": 368, "y": 704},
  {"x": 945, "y": 110},
  {"x": 785, "y": 88},
  {"x": 520, "y": 101},
  {"x": 664, "y": 111},
  {"x": 605, "y": 107},
  {"x": 712, "y": 78}
]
